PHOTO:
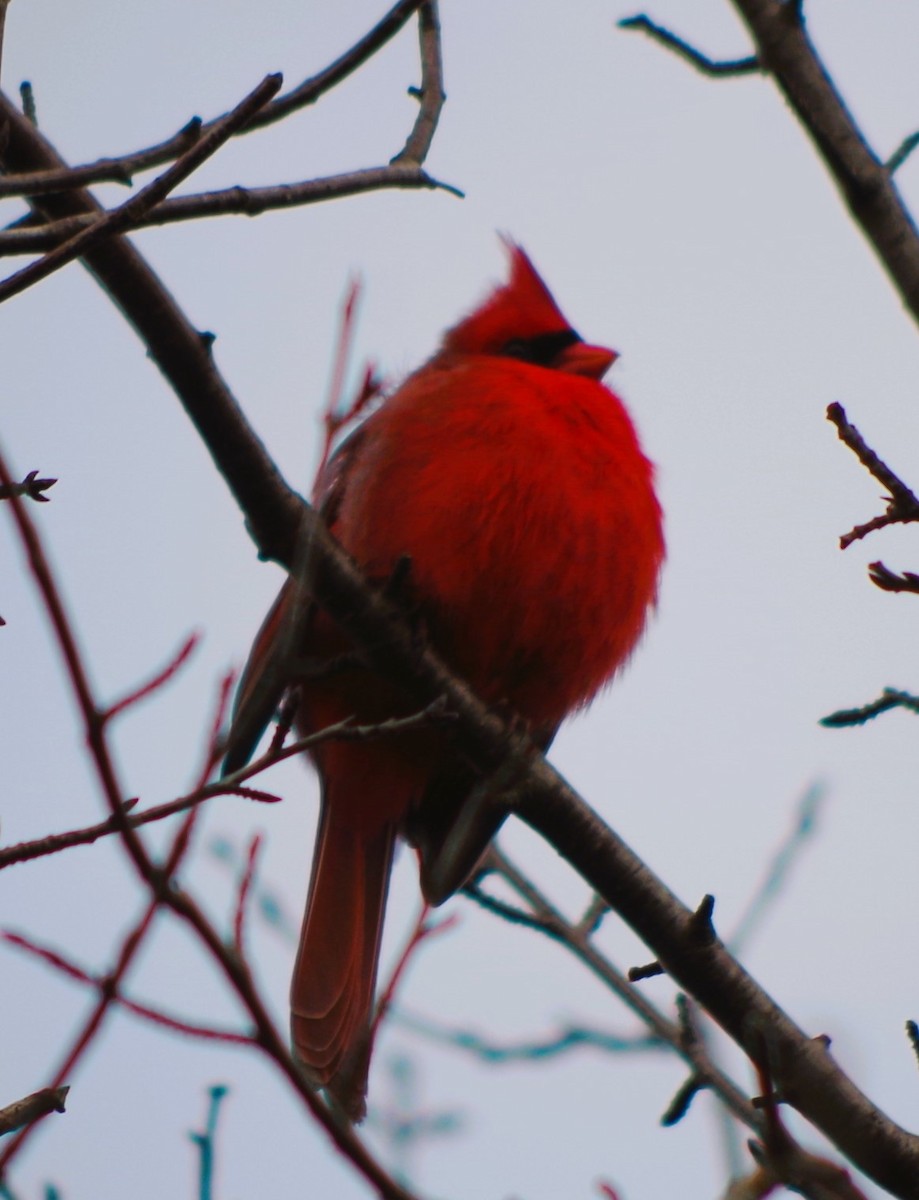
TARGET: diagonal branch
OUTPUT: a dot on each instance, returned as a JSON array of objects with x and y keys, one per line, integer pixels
[
  {"x": 784, "y": 51},
  {"x": 787, "y": 53},
  {"x": 121, "y": 218},
  {"x": 120, "y": 169},
  {"x": 716, "y": 68}
]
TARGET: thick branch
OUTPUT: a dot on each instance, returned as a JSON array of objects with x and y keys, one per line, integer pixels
[
  {"x": 809, "y": 1078},
  {"x": 181, "y": 352},
  {"x": 785, "y": 50}
]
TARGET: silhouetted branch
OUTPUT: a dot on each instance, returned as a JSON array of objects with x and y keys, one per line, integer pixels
[
  {"x": 890, "y": 698},
  {"x": 902, "y": 504},
  {"x": 32, "y": 487},
  {"x": 230, "y": 785},
  {"x": 234, "y": 201},
  {"x": 748, "y": 65},
  {"x": 119, "y": 219},
  {"x": 784, "y": 51},
  {"x": 121, "y": 169},
  {"x": 543, "y": 916}
]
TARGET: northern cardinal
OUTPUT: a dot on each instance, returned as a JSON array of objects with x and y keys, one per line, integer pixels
[{"x": 513, "y": 484}]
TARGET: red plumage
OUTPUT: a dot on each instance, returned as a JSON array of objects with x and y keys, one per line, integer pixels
[{"x": 514, "y": 482}]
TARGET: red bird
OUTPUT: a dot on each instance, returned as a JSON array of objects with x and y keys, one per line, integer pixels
[{"x": 513, "y": 483}]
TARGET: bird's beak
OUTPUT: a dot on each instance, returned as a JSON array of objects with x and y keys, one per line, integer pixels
[{"x": 581, "y": 359}]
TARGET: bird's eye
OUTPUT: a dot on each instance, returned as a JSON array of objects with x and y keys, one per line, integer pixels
[{"x": 541, "y": 350}]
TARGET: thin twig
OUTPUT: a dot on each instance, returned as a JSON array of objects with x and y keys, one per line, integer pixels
[
  {"x": 243, "y": 892},
  {"x": 708, "y": 66},
  {"x": 889, "y": 698},
  {"x": 544, "y": 917},
  {"x": 230, "y": 785},
  {"x": 570, "y": 1038},
  {"x": 431, "y": 95},
  {"x": 31, "y": 1108},
  {"x": 119, "y": 219},
  {"x": 234, "y": 201},
  {"x": 39, "y": 183},
  {"x": 122, "y": 169},
  {"x": 902, "y": 152},
  {"x": 423, "y": 931},
  {"x": 902, "y": 504},
  {"x": 103, "y": 984},
  {"x": 787, "y": 854},
  {"x": 867, "y": 186},
  {"x": 162, "y": 677}
]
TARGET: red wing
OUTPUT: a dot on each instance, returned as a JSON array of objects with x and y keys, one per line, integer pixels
[{"x": 285, "y": 630}]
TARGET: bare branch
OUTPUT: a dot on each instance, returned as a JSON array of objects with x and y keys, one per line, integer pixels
[
  {"x": 104, "y": 984},
  {"x": 431, "y": 96},
  {"x": 545, "y": 918},
  {"x": 234, "y": 201},
  {"x": 37, "y": 183},
  {"x": 708, "y": 66},
  {"x": 902, "y": 504},
  {"x": 31, "y": 1108},
  {"x": 866, "y": 184},
  {"x": 571, "y": 1037},
  {"x": 890, "y": 698},
  {"x": 119, "y": 219}
]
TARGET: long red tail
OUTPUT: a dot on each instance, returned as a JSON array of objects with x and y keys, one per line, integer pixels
[{"x": 331, "y": 997}]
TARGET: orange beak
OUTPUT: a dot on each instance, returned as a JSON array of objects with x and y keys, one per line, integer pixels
[{"x": 581, "y": 359}]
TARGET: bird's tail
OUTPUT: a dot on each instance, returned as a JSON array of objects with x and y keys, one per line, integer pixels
[{"x": 331, "y": 997}]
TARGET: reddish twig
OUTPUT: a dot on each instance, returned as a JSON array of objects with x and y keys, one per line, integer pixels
[
  {"x": 147, "y": 1012},
  {"x": 337, "y": 415},
  {"x": 159, "y": 680},
  {"x": 231, "y": 785},
  {"x": 892, "y": 581},
  {"x": 213, "y": 750},
  {"x": 902, "y": 503},
  {"x": 780, "y": 1160},
  {"x": 245, "y": 888},
  {"x": 421, "y": 932}
]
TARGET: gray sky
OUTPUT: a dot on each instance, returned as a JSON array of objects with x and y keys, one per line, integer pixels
[{"x": 683, "y": 221}]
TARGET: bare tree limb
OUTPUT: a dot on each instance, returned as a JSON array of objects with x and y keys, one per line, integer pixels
[
  {"x": 784, "y": 51},
  {"x": 787, "y": 53},
  {"x": 720, "y": 69},
  {"x": 121, "y": 169},
  {"x": 119, "y": 219},
  {"x": 233, "y": 201}
]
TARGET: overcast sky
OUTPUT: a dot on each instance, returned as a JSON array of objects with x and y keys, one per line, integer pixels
[{"x": 688, "y": 224}]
